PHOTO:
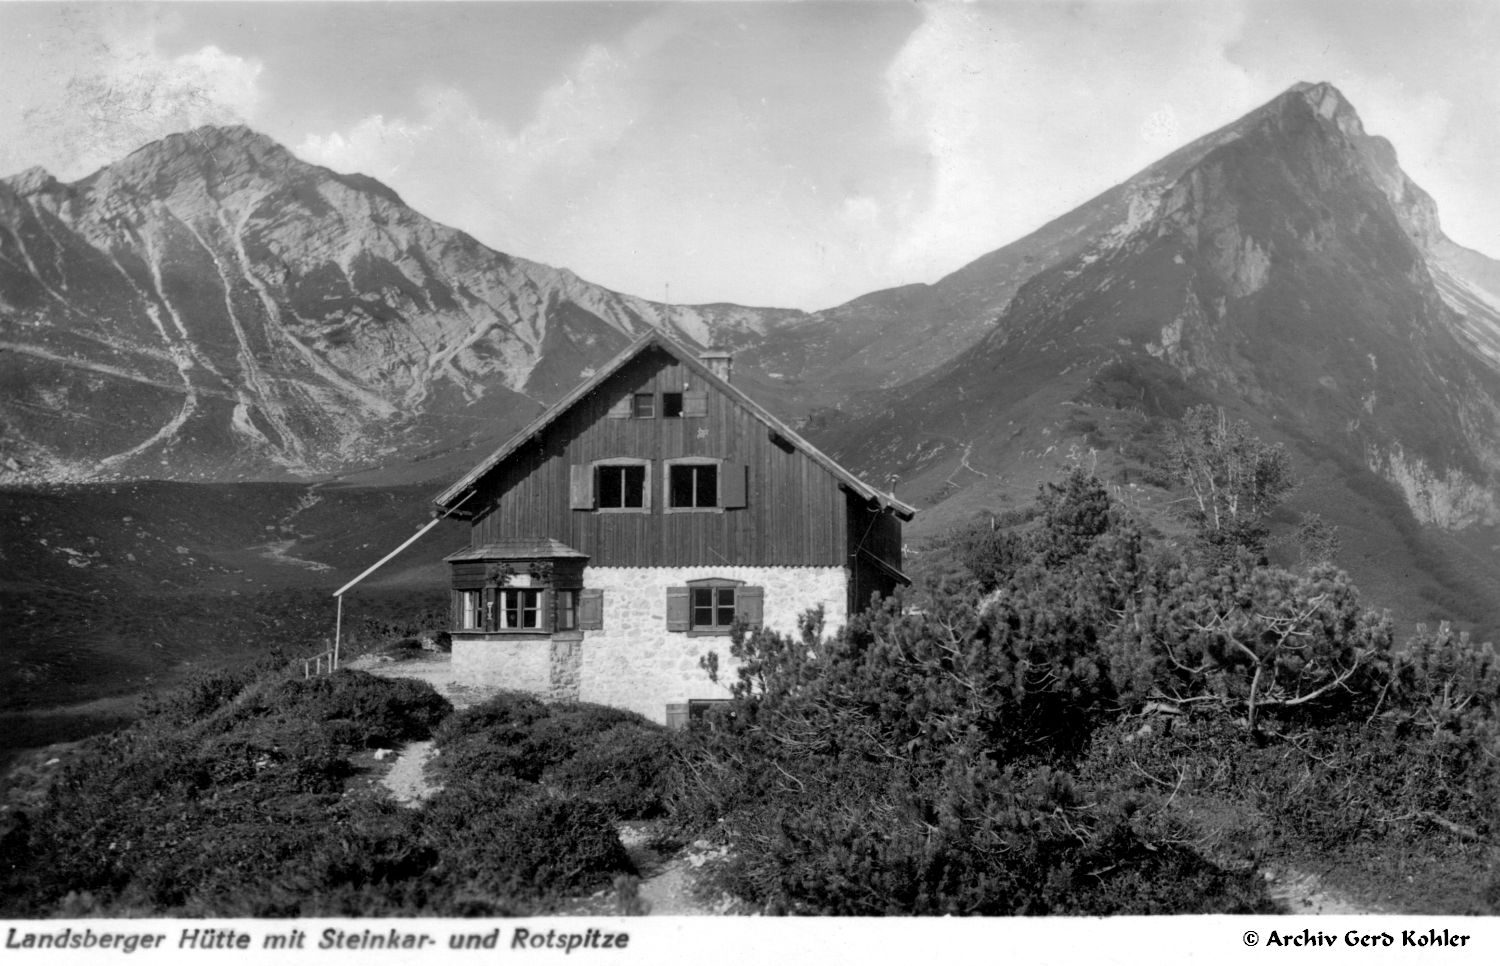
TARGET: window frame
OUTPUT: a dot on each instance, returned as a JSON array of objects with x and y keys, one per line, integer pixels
[
  {"x": 636, "y": 408},
  {"x": 502, "y": 610},
  {"x": 715, "y": 608},
  {"x": 716, "y": 585},
  {"x": 470, "y": 609},
  {"x": 690, "y": 461},
  {"x": 622, "y": 461}
]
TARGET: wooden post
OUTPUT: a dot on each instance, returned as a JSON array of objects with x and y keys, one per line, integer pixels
[{"x": 338, "y": 626}]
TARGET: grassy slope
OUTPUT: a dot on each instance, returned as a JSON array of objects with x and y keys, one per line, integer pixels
[{"x": 111, "y": 589}]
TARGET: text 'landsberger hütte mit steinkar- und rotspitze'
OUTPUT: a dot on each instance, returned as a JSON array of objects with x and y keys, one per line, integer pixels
[{"x": 208, "y": 938}]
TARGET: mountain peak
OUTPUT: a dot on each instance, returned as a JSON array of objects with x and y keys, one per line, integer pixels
[
  {"x": 214, "y": 143},
  {"x": 33, "y": 181}
]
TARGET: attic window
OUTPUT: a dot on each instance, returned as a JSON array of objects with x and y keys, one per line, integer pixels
[
  {"x": 671, "y": 405},
  {"x": 644, "y": 406}
]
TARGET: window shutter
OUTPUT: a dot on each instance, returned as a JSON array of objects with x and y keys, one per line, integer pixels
[
  {"x": 546, "y": 619},
  {"x": 591, "y": 610},
  {"x": 621, "y": 408},
  {"x": 695, "y": 403},
  {"x": 732, "y": 485},
  {"x": 455, "y": 610},
  {"x": 677, "y": 609},
  {"x": 751, "y": 605},
  {"x": 581, "y": 486}
]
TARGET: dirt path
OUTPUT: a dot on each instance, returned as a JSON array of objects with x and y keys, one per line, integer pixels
[
  {"x": 1303, "y": 894},
  {"x": 666, "y": 886},
  {"x": 667, "y": 878},
  {"x": 407, "y": 779}
]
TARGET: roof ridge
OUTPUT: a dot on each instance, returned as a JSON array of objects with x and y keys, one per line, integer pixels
[{"x": 448, "y": 496}]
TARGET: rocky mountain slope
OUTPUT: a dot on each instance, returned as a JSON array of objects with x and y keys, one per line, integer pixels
[
  {"x": 1284, "y": 268},
  {"x": 213, "y": 308}
]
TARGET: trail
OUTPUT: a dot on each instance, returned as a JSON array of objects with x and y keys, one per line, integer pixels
[
  {"x": 278, "y": 550},
  {"x": 1303, "y": 894},
  {"x": 666, "y": 884},
  {"x": 407, "y": 780}
]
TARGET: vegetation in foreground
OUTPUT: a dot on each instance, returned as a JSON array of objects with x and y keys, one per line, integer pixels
[
  {"x": 1078, "y": 718},
  {"x": 233, "y": 797}
]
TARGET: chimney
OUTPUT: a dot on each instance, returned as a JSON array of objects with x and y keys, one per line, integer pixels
[{"x": 719, "y": 361}]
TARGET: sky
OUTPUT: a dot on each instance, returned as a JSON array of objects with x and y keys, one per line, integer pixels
[{"x": 769, "y": 153}]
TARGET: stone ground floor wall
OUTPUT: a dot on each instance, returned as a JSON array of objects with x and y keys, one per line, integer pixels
[
  {"x": 522, "y": 664},
  {"x": 633, "y": 661}
]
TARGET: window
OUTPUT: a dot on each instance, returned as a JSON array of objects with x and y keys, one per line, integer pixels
[
  {"x": 520, "y": 609},
  {"x": 644, "y": 406},
  {"x": 671, "y": 405},
  {"x": 621, "y": 487},
  {"x": 471, "y": 610},
  {"x": 567, "y": 611},
  {"x": 692, "y": 485},
  {"x": 713, "y": 607}
]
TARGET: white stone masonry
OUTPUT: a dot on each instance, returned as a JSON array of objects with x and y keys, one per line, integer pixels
[{"x": 635, "y": 662}]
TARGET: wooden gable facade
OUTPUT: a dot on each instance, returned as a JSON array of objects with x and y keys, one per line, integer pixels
[{"x": 608, "y": 470}]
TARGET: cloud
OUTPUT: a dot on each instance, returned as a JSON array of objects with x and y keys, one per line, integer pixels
[
  {"x": 514, "y": 189},
  {"x": 96, "y": 90},
  {"x": 1028, "y": 111}
]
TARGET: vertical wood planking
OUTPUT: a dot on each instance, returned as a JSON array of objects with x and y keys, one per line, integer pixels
[{"x": 796, "y": 515}]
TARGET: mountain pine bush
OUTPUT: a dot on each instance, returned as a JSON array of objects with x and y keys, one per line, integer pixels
[{"x": 1072, "y": 721}]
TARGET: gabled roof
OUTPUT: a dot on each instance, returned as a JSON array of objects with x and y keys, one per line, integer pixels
[{"x": 655, "y": 338}]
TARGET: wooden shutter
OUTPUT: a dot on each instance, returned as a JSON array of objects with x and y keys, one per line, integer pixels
[
  {"x": 581, "y": 486},
  {"x": 546, "y": 620},
  {"x": 750, "y": 605},
  {"x": 456, "y": 610},
  {"x": 695, "y": 403},
  {"x": 621, "y": 408},
  {"x": 591, "y": 610},
  {"x": 678, "y": 614},
  {"x": 732, "y": 485}
]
